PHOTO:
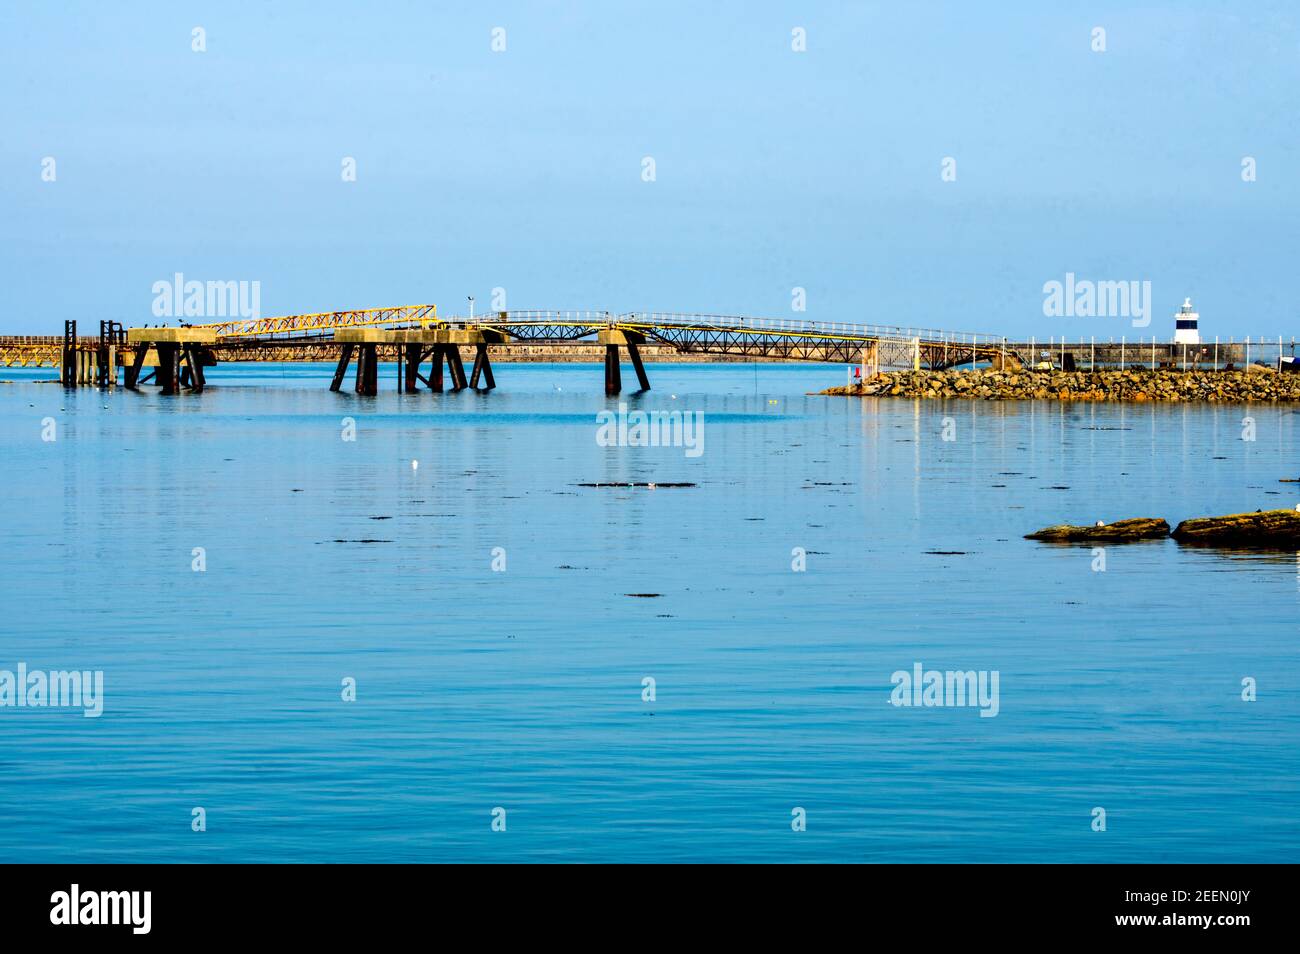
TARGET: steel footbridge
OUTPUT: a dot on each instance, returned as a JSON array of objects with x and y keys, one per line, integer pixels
[{"x": 179, "y": 353}]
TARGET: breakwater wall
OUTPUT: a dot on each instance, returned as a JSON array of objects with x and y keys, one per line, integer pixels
[{"x": 1252, "y": 385}]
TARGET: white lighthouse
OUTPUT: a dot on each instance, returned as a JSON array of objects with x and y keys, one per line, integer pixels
[{"x": 1185, "y": 325}]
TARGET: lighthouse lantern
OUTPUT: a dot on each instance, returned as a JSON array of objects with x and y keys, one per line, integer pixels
[{"x": 1185, "y": 325}]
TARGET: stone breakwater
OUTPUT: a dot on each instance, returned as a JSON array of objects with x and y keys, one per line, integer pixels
[{"x": 1251, "y": 385}]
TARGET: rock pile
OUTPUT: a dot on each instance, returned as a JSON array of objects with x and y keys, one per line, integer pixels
[
  {"x": 1255, "y": 384},
  {"x": 1137, "y": 528},
  {"x": 1263, "y": 528}
]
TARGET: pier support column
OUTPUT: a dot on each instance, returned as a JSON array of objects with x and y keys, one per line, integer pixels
[
  {"x": 635, "y": 354},
  {"x": 482, "y": 367},
  {"x": 167, "y": 373},
  {"x": 613, "y": 377},
  {"x": 612, "y": 338},
  {"x": 435, "y": 372},
  {"x": 413, "y": 354},
  {"x": 68, "y": 365},
  {"x": 362, "y": 344},
  {"x": 359, "y": 384},
  {"x": 111, "y": 334},
  {"x": 137, "y": 363},
  {"x": 194, "y": 365},
  {"x": 441, "y": 344},
  {"x": 456, "y": 368},
  {"x": 345, "y": 358},
  {"x": 177, "y": 351},
  {"x": 367, "y": 383}
]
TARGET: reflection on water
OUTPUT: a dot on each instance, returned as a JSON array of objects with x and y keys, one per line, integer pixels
[{"x": 521, "y": 686}]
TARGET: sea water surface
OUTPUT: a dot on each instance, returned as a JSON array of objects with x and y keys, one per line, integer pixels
[{"x": 522, "y": 688}]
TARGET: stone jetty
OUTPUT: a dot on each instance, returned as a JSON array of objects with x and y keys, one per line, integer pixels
[{"x": 1255, "y": 384}]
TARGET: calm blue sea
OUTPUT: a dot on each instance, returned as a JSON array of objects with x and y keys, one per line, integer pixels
[{"x": 330, "y": 560}]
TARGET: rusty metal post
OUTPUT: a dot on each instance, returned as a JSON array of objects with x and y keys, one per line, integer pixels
[
  {"x": 456, "y": 368},
  {"x": 345, "y": 358},
  {"x": 367, "y": 370},
  {"x": 613, "y": 378},
  {"x": 435, "y": 373},
  {"x": 412, "y": 366},
  {"x": 482, "y": 368},
  {"x": 635, "y": 355},
  {"x": 168, "y": 371}
]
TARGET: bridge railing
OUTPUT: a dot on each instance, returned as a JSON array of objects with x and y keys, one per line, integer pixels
[
  {"x": 290, "y": 326},
  {"x": 545, "y": 316}
]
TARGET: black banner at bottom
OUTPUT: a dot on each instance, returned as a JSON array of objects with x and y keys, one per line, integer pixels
[{"x": 334, "y": 903}]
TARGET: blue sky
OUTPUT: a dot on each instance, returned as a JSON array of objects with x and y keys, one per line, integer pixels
[{"x": 774, "y": 169}]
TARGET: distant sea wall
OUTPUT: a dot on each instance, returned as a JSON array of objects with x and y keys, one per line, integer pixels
[{"x": 1252, "y": 385}]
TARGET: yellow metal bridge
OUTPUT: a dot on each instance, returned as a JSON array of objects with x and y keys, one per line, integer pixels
[{"x": 178, "y": 353}]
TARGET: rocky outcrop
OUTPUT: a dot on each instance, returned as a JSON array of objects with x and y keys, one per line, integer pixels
[
  {"x": 1255, "y": 385},
  {"x": 1137, "y": 528},
  {"x": 1269, "y": 528}
]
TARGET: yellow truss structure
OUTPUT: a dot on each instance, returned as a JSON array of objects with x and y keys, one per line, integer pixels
[
  {"x": 424, "y": 315},
  {"x": 31, "y": 355}
]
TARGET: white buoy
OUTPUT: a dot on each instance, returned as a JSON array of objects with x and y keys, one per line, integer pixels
[{"x": 415, "y": 465}]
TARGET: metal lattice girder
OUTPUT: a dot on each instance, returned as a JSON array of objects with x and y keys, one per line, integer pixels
[
  {"x": 27, "y": 355},
  {"x": 322, "y": 322}
]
